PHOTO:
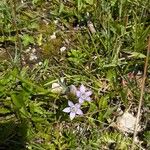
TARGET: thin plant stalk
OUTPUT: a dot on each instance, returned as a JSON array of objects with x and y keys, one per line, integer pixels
[
  {"x": 141, "y": 96},
  {"x": 18, "y": 45}
]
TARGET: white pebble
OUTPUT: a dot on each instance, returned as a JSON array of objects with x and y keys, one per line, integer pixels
[
  {"x": 33, "y": 50},
  {"x": 56, "y": 21},
  {"x": 126, "y": 123},
  {"x": 27, "y": 50},
  {"x": 32, "y": 57},
  {"x": 40, "y": 63},
  {"x": 73, "y": 89},
  {"x": 53, "y": 36},
  {"x": 62, "y": 49},
  {"x": 56, "y": 88}
]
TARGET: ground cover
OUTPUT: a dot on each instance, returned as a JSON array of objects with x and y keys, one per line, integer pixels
[{"x": 71, "y": 74}]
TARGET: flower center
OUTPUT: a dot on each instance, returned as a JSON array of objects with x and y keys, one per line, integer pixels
[
  {"x": 83, "y": 96},
  {"x": 73, "y": 109}
]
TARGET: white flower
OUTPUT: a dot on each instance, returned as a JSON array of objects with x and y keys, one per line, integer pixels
[
  {"x": 73, "y": 109},
  {"x": 83, "y": 94}
]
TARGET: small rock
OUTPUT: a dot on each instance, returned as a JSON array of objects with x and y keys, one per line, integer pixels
[
  {"x": 91, "y": 27},
  {"x": 56, "y": 88},
  {"x": 73, "y": 89},
  {"x": 33, "y": 50},
  {"x": 126, "y": 123},
  {"x": 40, "y": 63},
  {"x": 53, "y": 36},
  {"x": 32, "y": 57},
  {"x": 56, "y": 21},
  {"x": 27, "y": 50},
  {"x": 62, "y": 49}
]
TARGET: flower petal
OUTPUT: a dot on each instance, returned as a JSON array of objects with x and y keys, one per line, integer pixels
[
  {"x": 81, "y": 100},
  {"x": 88, "y": 99},
  {"x": 77, "y": 105},
  {"x": 72, "y": 115},
  {"x": 82, "y": 88},
  {"x": 78, "y": 93},
  {"x": 67, "y": 110},
  {"x": 88, "y": 93},
  {"x": 70, "y": 103},
  {"x": 79, "y": 112}
]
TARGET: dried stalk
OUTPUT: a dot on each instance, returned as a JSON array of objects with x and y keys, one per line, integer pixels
[{"x": 141, "y": 95}]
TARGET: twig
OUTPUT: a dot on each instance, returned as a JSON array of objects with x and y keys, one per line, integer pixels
[{"x": 141, "y": 96}]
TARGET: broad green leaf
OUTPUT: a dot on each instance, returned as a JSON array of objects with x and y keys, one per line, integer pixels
[
  {"x": 137, "y": 55},
  {"x": 93, "y": 107},
  {"x": 61, "y": 8},
  {"x": 27, "y": 39},
  {"x": 24, "y": 113},
  {"x": 91, "y": 2},
  {"x": 39, "y": 39},
  {"x": 17, "y": 100},
  {"x": 35, "y": 108},
  {"x": 4, "y": 110},
  {"x": 103, "y": 102},
  {"x": 38, "y": 119}
]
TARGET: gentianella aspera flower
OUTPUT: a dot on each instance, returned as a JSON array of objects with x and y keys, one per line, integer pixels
[
  {"x": 83, "y": 94},
  {"x": 73, "y": 109}
]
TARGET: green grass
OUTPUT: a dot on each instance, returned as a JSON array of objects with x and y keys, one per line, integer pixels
[{"x": 31, "y": 115}]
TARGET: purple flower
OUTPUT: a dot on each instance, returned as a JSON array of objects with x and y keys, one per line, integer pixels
[
  {"x": 83, "y": 94},
  {"x": 73, "y": 109}
]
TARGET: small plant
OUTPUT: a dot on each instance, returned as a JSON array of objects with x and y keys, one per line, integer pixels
[
  {"x": 71, "y": 73},
  {"x": 76, "y": 57},
  {"x": 82, "y": 95},
  {"x": 26, "y": 40}
]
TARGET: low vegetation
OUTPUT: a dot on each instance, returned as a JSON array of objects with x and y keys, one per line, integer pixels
[{"x": 71, "y": 73}]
